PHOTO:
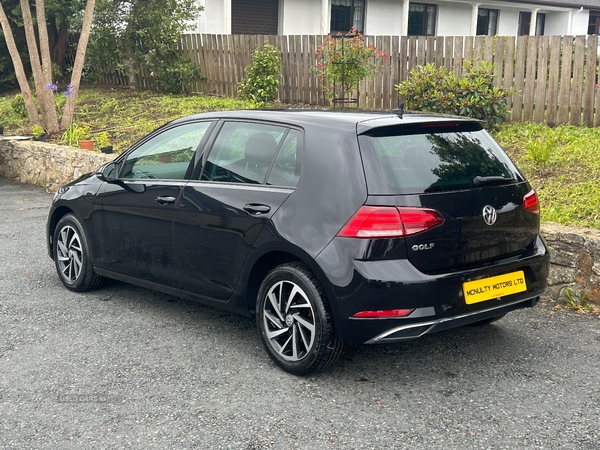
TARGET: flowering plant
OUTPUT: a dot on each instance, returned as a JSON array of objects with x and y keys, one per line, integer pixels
[
  {"x": 347, "y": 60},
  {"x": 67, "y": 93},
  {"x": 60, "y": 101}
]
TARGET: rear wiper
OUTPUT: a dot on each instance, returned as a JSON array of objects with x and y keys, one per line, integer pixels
[{"x": 482, "y": 181}]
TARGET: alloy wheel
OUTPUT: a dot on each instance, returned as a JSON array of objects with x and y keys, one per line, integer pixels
[
  {"x": 69, "y": 253},
  {"x": 289, "y": 321}
]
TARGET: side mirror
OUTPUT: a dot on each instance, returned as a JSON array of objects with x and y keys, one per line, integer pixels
[{"x": 108, "y": 172}]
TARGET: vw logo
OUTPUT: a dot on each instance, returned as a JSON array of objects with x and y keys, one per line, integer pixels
[{"x": 489, "y": 215}]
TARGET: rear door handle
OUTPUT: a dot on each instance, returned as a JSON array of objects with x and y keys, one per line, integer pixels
[
  {"x": 165, "y": 200},
  {"x": 256, "y": 208}
]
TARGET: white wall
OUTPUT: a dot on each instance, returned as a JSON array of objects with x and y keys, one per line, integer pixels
[
  {"x": 454, "y": 19},
  {"x": 508, "y": 22},
  {"x": 211, "y": 19},
  {"x": 300, "y": 17},
  {"x": 383, "y": 17},
  {"x": 557, "y": 23},
  {"x": 580, "y": 23}
]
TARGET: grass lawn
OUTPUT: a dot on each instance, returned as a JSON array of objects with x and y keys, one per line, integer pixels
[
  {"x": 562, "y": 163},
  {"x": 124, "y": 114}
]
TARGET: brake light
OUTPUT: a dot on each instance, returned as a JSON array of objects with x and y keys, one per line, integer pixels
[
  {"x": 371, "y": 222},
  {"x": 383, "y": 314},
  {"x": 531, "y": 203}
]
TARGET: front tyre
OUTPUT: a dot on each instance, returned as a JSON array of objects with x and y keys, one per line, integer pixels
[
  {"x": 72, "y": 256},
  {"x": 295, "y": 322}
]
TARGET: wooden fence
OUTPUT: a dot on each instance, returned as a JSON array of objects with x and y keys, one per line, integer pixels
[{"x": 555, "y": 78}]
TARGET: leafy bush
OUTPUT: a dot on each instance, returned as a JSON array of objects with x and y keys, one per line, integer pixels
[
  {"x": 472, "y": 95},
  {"x": 18, "y": 106},
  {"x": 75, "y": 133},
  {"x": 262, "y": 78},
  {"x": 348, "y": 59},
  {"x": 142, "y": 33},
  {"x": 540, "y": 151}
]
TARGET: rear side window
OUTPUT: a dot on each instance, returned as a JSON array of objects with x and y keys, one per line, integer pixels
[
  {"x": 419, "y": 162},
  {"x": 255, "y": 153}
]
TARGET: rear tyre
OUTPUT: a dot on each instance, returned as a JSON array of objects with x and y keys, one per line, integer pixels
[
  {"x": 72, "y": 256},
  {"x": 295, "y": 322},
  {"x": 487, "y": 321}
]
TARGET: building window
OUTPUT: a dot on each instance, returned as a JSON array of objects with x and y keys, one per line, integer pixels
[
  {"x": 421, "y": 19},
  {"x": 525, "y": 24},
  {"x": 487, "y": 22},
  {"x": 594, "y": 23},
  {"x": 346, "y": 14}
]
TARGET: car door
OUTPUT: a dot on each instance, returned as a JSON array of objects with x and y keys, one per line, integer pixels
[
  {"x": 250, "y": 171},
  {"x": 133, "y": 216}
]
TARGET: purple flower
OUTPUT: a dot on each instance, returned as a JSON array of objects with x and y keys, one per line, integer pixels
[
  {"x": 51, "y": 87},
  {"x": 69, "y": 92}
]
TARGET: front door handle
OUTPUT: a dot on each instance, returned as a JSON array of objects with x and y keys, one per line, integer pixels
[
  {"x": 256, "y": 208},
  {"x": 165, "y": 200}
]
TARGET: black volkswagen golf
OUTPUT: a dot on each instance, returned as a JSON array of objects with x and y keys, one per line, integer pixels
[{"x": 330, "y": 228}]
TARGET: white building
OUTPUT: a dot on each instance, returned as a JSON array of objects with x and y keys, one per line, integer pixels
[{"x": 400, "y": 17}]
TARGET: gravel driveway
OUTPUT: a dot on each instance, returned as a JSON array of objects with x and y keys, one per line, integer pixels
[{"x": 124, "y": 367}]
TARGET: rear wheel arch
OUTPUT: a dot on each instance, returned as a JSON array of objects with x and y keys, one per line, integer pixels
[
  {"x": 267, "y": 262},
  {"x": 260, "y": 269}
]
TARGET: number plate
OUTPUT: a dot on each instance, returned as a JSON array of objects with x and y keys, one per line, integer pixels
[{"x": 494, "y": 287}]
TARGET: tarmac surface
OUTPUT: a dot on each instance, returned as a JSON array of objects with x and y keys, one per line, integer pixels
[{"x": 128, "y": 368}]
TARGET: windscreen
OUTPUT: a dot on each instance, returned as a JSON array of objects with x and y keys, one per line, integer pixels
[{"x": 427, "y": 161}]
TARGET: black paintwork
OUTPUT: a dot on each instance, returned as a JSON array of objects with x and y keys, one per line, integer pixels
[{"x": 205, "y": 243}]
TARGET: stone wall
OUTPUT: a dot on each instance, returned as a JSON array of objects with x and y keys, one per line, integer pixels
[
  {"x": 575, "y": 256},
  {"x": 47, "y": 165},
  {"x": 575, "y": 251}
]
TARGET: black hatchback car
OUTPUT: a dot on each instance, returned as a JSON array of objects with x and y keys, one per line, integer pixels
[{"x": 330, "y": 228}]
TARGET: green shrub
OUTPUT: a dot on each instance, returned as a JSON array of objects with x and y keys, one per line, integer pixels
[
  {"x": 539, "y": 151},
  {"x": 473, "y": 94},
  {"x": 75, "y": 133},
  {"x": 37, "y": 131},
  {"x": 262, "y": 78},
  {"x": 345, "y": 62},
  {"x": 18, "y": 106}
]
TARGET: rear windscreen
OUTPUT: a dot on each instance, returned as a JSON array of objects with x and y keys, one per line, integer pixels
[{"x": 419, "y": 162}]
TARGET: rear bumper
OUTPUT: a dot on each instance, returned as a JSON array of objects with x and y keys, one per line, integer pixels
[
  {"x": 418, "y": 329},
  {"x": 437, "y": 300}
]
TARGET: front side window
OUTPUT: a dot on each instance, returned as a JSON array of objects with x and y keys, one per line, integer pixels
[
  {"x": 166, "y": 156},
  {"x": 255, "y": 154},
  {"x": 346, "y": 14},
  {"x": 487, "y": 22},
  {"x": 421, "y": 19}
]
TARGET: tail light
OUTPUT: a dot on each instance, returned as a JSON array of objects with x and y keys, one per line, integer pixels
[
  {"x": 371, "y": 222},
  {"x": 531, "y": 203}
]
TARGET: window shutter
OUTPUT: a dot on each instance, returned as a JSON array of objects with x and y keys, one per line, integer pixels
[{"x": 254, "y": 16}]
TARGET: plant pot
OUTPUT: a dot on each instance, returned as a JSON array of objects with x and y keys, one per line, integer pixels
[
  {"x": 165, "y": 158},
  {"x": 87, "y": 144},
  {"x": 1, "y": 130},
  {"x": 108, "y": 149},
  {"x": 42, "y": 138}
]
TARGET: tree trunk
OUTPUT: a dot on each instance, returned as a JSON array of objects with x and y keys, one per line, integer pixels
[
  {"x": 51, "y": 119},
  {"x": 45, "y": 97},
  {"x": 34, "y": 118},
  {"x": 128, "y": 44},
  {"x": 78, "y": 65}
]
